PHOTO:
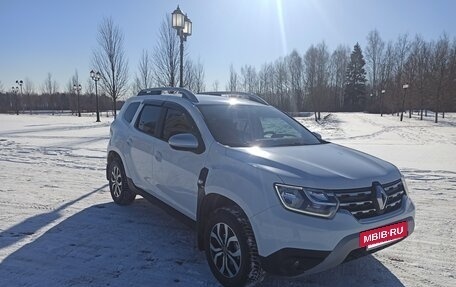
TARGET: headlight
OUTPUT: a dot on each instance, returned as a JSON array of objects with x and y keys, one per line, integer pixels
[
  {"x": 307, "y": 200},
  {"x": 404, "y": 184}
]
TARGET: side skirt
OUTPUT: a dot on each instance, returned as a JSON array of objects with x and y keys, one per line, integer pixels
[{"x": 165, "y": 207}]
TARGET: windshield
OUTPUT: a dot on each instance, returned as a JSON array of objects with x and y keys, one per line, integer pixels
[{"x": 247, "y": 125}]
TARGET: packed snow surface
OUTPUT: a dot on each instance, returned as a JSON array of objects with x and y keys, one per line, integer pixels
[{"x": 59, "y": 226}]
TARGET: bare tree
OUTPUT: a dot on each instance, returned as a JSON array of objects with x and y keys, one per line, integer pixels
[
  {"x": 295, "y": 68},
  {"x": 49, "y": 86},
  {"x": 449, "y": 94},
  {"x": 310, "y": 75},
  {"x": 232, "y": 84},
  {"x": 1, "y": 87},
  {"x": 248, "y": 79},
  {"x": 374, "y": 51},
  {"x": 338, "y": 67},
  {"x": 73, "y": 81},
  {"x": 89, "y": 87},
  {"x": 266, "y": 83},
  {"x": 29, "y": 87},
  {"x": 386, "y": 77},
  {"x": 322, "y": 74},
  {"x": 198, "y": 70},
  {"x": 194, "y": 76},
  {"x": 189, "y": 75},
  {"x": 281, "y": 83},
  {"x": 417, "y": 68},
  {"x": 166, "y": 56},
  {"x": 439, "y": 67},
  {"x": 215, "y": 85},
  {"x": 402, "y": 49},
  {"x": 144, "y": 78},
  {"x": 110, "y": 61},
  {"x": 449, "y": 99}
]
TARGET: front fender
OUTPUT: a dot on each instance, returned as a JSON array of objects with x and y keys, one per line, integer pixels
[{"x": 249, "y": 187}]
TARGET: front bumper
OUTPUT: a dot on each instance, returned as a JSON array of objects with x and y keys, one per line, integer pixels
[{"x": 293, "y": 244}]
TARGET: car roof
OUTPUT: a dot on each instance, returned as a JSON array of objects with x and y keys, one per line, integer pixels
[
  {"x": 211, "y": 100},
  {"x": 202, "y": 99}
]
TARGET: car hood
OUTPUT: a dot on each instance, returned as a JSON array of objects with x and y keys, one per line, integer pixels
[{"x": 328, "y": 166}]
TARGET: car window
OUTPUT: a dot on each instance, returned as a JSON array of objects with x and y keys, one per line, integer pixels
[
  {"x": 272, "y": 127},
  {"x": 131, "y": 111},
  {"x": 177, "y": 122},
  {"x": 246, "y": 126},
  {"x": 148, "y": 119}
]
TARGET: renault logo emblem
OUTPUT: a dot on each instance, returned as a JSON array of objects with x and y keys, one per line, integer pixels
[{"x": 380, "y": 196}]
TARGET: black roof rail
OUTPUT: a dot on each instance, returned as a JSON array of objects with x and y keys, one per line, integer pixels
[
  {"x": 242, "y": 95},
  {"x": 186, "y": 94}
]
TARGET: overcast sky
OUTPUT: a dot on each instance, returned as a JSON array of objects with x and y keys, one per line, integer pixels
[{"x": 56, "y": 36}]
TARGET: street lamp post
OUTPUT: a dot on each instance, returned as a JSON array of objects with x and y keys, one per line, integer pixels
[
  {"x": 15, "y": 91},
  {"x": 381, "y": 103},
  {"x": 20, "y": 82},
  {"x": 404, "y": 87},
  {"x": 77, "y": 89},
  {"x": 96, "y": 77},
  {"x": 183, "y": 25}
]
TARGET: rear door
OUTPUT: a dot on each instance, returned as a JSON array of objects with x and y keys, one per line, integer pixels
[
  {"x": 142, "y": 143},
  {"x": 176, "y": 172}
]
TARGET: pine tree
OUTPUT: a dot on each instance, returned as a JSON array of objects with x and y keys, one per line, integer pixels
[{"x": 355, "y": 83}]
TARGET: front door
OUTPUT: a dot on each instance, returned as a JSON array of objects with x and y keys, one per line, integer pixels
[{"x": 176, "y": 172}]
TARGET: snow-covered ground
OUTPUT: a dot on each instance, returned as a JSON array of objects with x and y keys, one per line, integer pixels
[{"x": 59, "y": 227}]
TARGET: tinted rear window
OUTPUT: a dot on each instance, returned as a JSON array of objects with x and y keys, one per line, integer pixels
[
  {"x": 148, "y": 119},
  {"x": 131, "y": 111}
]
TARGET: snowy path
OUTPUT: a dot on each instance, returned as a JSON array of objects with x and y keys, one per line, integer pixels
[{"x": 59, "y": 227}]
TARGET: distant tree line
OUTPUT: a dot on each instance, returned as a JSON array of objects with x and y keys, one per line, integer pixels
[
  {"x": 56, "y": 102},
  {"x": 353, "y": 80},
  {"x": 370, "y": 79}
]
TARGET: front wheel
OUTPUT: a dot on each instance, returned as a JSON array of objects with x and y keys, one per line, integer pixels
[
  {"x": 231, "y": 249},
  {"x": 118, "y": 185}
]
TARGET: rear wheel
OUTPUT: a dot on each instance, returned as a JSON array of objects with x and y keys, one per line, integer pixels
[
  {"x": 120, "y": 192},
  {"x": 231, "y": 249}
]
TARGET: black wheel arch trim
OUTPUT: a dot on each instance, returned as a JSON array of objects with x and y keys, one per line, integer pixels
[
  {"x": 111, "y": 155},
  {"x": 199, "y": 209},
  {"x": 207, "y": 203}
]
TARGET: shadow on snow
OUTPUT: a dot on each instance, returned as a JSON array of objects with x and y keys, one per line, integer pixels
[{"x": 138, "y": 245}]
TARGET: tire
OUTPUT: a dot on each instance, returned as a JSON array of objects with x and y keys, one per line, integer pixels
[
  {"x": 231, "y": 249},
  {"x": 118, "y": 185}
]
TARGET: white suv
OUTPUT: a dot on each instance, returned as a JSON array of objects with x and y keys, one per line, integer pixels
[{"x": 266, "y": 194}]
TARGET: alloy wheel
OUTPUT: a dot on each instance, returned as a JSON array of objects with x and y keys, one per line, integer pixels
[
  {"x": 116, "y": 181},
  {"x": 225, "y": 250}
]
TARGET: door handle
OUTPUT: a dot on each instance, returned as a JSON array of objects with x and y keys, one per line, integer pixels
[
  {"x": 129, "y": 141},
  {"x": 158, "y": 156}
]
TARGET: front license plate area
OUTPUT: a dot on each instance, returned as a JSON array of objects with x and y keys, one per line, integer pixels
[{"x": 377, "y": 237}]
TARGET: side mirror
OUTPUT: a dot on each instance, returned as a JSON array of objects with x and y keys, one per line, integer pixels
[
  {"x": 317, "y": 135},
  {"x": 186, "y": 142}
]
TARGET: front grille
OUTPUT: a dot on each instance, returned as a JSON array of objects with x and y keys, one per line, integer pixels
[{"x": 360, "y": 202}]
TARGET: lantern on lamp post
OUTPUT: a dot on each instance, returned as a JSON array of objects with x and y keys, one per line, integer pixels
[
  {"x": 96, "y": 77},
  {"x": 183, "y": 26},
  {"x": 404, "y": 87},
  {"x": 381, "y": 102},
  {"x": 77, "y": 89}
]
